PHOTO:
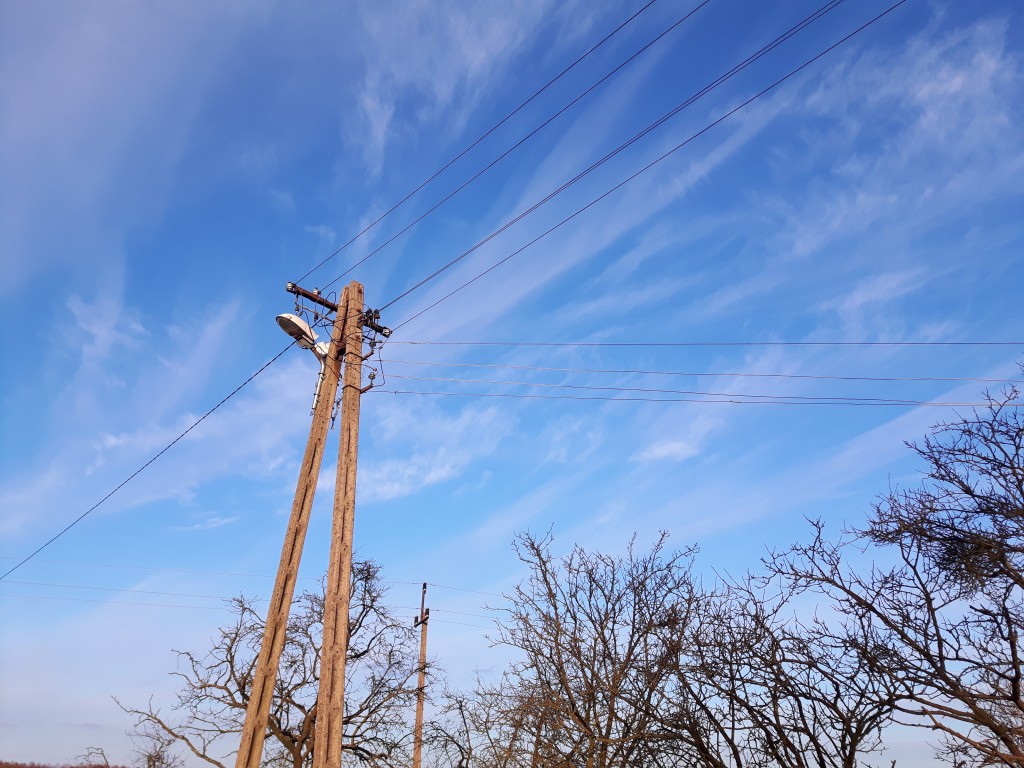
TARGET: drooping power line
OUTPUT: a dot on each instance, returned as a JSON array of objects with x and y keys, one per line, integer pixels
[
  {"x": 139, "y": 471},
  {"x": 483, "y": 136},
  {"x": 516, "y": 145},
  {"x": 764, "y": 50},
  {"x": 707, "y": 374},
  {"x": 661, "y": 391},
  {"x": 734, "y": 400},
  {"x": 711, "y": 343}
]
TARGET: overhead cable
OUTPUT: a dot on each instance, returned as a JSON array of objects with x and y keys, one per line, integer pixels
[
  {"x": 657, "y": 391},
  {"x": 139, "y": 471},
  {"x": 193, "y": 571},
  {"x": 629, "y": 142},
  {"x": 223, "y": 598},
  {"x": 139, "y": 604},
  {"x": 705, "y": 374},
  {"x": 112, "y": 602},
  {"x": 152, "y": 568},
  {"x": 515, "y": 146},
  {"x": 119, "y": 589},
  {"x": 483, "y": 136},
  {"x": 709, "y": 401},
  {"x": 710, "y": 343}
]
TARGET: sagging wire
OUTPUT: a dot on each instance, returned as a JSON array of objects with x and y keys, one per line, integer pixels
[
  {"x": 376, "y": 339},
  {"x": 320, "y": 318},
  {"x": 374, "y": 335}
]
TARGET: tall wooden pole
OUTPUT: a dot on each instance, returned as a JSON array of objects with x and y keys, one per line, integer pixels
[
  {"x": 330, "y": 702},
  {"x": 250, "y": 751},
  {"x": 421, "y": 686}
]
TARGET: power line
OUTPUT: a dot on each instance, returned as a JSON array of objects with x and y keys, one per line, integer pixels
[
  {"x": 622, "y": 147},
  {"x": 433, "y": 610},
  {"x": 650, "y": 390},
  {"x": 515, "y": 146},
  {"x": 111, "y": 602},
  {"x": 462, "y": 624},
  {"x": 223, "y": 598},
  {"x": 189, "y": 607},
  {"x": 138, "y": 471},
  {"x": 393, "y": 608},
  {"x": 718, "y": 401},
  {"x": 153, "y": 568},
  {"x": 230, "y": 573},
  {"x": 711, "y": 343},
  {"x": 634, "y": 371},
  {"x": 483, "y": 136},
  {"x": 464, "y": 589},
  {"x": 120, "y": 589}
]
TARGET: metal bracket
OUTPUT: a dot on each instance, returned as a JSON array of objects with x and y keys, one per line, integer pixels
[
  {"x": 371, "y": 319},
  {"x": 313, "y": 296}
]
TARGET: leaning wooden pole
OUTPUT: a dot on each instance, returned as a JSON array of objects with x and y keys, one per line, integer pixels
[
  {"x": 250, "y": 750},
  {"x": 330, "y": 703}
]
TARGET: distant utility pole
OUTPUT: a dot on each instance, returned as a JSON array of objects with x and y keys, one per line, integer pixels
[
  {"x": 421, "y": 689},
  {"x": 343, "y": 353}
]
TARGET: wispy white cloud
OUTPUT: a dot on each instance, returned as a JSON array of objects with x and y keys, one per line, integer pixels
[
  {"x": 214, "y": 521},
  {"x": 864, "y": 311},
  {"x": 947, "y": 106},
  {"x": 428, "y": 447},
  {"x": 674, "y": 450},
  {"x": 433, "y": 59},
  {"x": 674, "y": 438},
  {"x": 572, "y": 439},
  {"x": 92, "y": 458},
  {"x": 634, "y": 206},
  {"x": 326, "y": 234},
  {"x": 84, "y": 116}
]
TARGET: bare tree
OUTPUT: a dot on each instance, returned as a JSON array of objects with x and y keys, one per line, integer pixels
[
  {"x": 208, "y": 715},
  {"x": 484, "y": 728},
  {"x": 941, "y": 626},
  {"x": 450, "y": 736},
  {"x": 594, "y": 670},
  {"x": 631, "y": 661},
  {"x": 149, "y": 753},
  {"x": 755, "y": 686}
]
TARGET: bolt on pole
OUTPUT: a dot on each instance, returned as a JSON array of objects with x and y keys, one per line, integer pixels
[{"x": 250, "y": 751}]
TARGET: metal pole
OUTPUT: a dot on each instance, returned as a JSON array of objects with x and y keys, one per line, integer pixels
[
  {"x": 250, "y": 750},
  {"x": 330, "y": 703},
  {"x": 421, "y": 686}
]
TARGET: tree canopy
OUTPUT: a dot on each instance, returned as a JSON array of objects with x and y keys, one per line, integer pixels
[{"x": 633, "y": 659}]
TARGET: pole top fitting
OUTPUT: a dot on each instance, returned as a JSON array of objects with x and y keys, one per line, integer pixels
[
  {"x": 371, "y": 319},
  {"x": 313, "y": 296}
]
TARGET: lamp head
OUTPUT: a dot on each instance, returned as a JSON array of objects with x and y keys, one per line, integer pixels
[{"x": 298, "y": 329}]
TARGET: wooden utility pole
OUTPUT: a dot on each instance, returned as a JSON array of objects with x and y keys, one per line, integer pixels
[
  {"x": 421, "y": 688},
  {"x": 330, "y": 702},
  {"x": 250, "y": 750}
]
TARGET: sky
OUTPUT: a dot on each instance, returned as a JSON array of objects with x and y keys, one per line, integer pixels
[{"x": 167, "y": 167}]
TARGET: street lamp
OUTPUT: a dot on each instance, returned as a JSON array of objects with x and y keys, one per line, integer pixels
[
  {"x": 298, "y": 329},
  {"x": 306, "y": 338}
]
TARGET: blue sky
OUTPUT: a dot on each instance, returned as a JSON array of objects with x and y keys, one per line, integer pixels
[{"x": 167, "y": 167}]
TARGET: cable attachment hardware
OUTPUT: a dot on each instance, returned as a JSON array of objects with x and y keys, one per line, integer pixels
[
  {"x": 371, "y": 319},
  {"x": 371, "y": 378},
  {"x": 314, "y": 296}
]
